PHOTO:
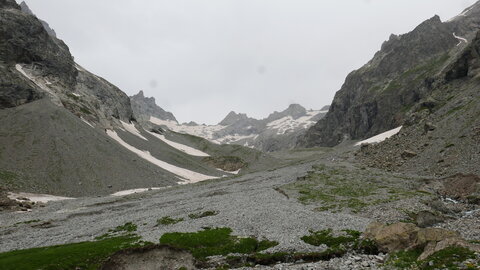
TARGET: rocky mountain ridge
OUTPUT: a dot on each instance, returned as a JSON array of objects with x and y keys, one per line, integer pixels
[
  {"x": 278, "y": 131},
  {"x": 376, "y": 97}
]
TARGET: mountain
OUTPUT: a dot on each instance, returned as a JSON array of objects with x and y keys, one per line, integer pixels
[
  {"x": 144, "y": 107},
  {"x": 66, "y": 131},
  {"x": 280, "y": 130},
  {"x": 46, "y": 26},
  {"x": 419, "y": 80}
]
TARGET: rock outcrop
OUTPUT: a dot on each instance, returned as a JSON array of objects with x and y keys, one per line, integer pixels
[
  {"x": 145, "y": 107},
  {"x": 401, "y": 236}
]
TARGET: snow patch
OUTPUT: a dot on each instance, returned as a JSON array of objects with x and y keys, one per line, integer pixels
[
  {"x": 132, "y": 129},
  {"x": 230, "y": 172},
  {"x": 86, "y": 122},
  {"x": 380, "y": 137},
  {"x": 191, "y": 176},
  {"x": 287, "y": 124},
  {"x": 136, "y": 190},
  {"x": 77, "y": 95},
  {"x": 184, "y": 148},
  {"x": 460, "y": 39},
  {"x": 42, "y": 198}
]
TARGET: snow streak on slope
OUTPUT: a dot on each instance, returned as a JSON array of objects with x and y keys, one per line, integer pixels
[
  {"x": 132, "y": 129},
  {"x": 460, "y": 39},
  {"x": 186, "y": 149},
  {"x": 380, "y": 137},
  {"x": 191, "y": 176},
  {"x": 40, "y": 83}
]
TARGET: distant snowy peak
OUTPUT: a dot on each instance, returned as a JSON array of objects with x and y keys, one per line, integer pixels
[{"x": 278, "y": 131}]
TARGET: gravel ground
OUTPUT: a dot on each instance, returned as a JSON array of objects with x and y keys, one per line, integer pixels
[{"x": 247, "y": 204}]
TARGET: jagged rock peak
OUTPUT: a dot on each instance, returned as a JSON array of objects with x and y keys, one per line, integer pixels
[
  {"x": 26, "y": 9},
  {"x": 145, "y": 107},
  {"x": 232, "y": 118}
]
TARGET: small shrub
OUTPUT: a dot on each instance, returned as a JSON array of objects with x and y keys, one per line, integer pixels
[
  {"x": 202, "y": 215},
  {"x": 169, "y": 221}
]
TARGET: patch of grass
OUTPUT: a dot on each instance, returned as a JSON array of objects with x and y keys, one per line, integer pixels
[
  {"x": 169, "y": 220},
  {"x": 218, "y": 241},
  {"x": 127, "y": 227},
  {"x": 85, "y": 255},
  {"x": 447, "y": 258},
  {"x": 203, "y": 214},
  {"x": 325, "y": 237},
  {"x": 405, "y": 258}
]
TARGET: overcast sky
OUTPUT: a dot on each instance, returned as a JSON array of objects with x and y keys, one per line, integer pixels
[{"x": 202, "y": 59}]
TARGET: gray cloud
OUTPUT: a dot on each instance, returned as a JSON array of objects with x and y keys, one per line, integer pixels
[{"x": 201, "y": 59}]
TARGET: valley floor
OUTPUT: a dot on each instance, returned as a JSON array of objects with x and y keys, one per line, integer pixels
[{"x": 273, "y": 205}]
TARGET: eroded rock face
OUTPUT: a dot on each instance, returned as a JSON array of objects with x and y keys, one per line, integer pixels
[{"x": 158, "y": 257}]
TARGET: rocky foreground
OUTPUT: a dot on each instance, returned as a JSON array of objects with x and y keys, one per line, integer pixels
[{"x": 289, "y": 210}]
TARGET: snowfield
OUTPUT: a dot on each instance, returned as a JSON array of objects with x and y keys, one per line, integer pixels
[
  {"x": 191, "y": 176},
  {"x": 42, "y": 198},
  {"x": 380, "y": 137},
  {"x": 132, "y": 129},
  {"x": 288, "y": 124},
  {"x": 136, "y": 190},
  {"x": 184, "y": 148}
]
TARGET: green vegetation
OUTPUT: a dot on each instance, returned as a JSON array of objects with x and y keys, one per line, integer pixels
[
  {"x": 449, "y": 258},
  {"x": 127, "y": 227},
  {"x": 346, "y": 240},
  {"x": 7, "y": 176},
  {"x": 218, "y": 241},
  {"x": 85, "y": 255},
  {"x": 169, "y": 221},
  {"x": 336, "y": 189},
  {"x": 405, "y": 258},
  {"x": 203, "y": 214}
]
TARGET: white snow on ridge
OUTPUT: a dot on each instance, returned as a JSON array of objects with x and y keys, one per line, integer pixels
[
  {"x": 199, "y": 131},
  {"x": 132, "y": 129},
  {"x": 184, "y": 148},
  {"x": 380, "y": 137},
  {"x": 288, "y": 124},
  {"x": 230, "y": 172},
  {"x": 43, "y": 198},
  {"x": 43, "y": 86},
  {"x": 191, "y": 176}
]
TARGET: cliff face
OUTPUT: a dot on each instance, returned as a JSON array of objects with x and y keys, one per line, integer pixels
[
  {"x": 377, "y": 97},
  {"x": 34, "y": 64}
]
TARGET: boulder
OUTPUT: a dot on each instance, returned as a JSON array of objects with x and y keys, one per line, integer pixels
[
  {"x": 433, "y": 247},
  {"x": 427, "y": 219},
  {"x": 393, "y": 237},
  {"x": 408, "y": 154}
]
